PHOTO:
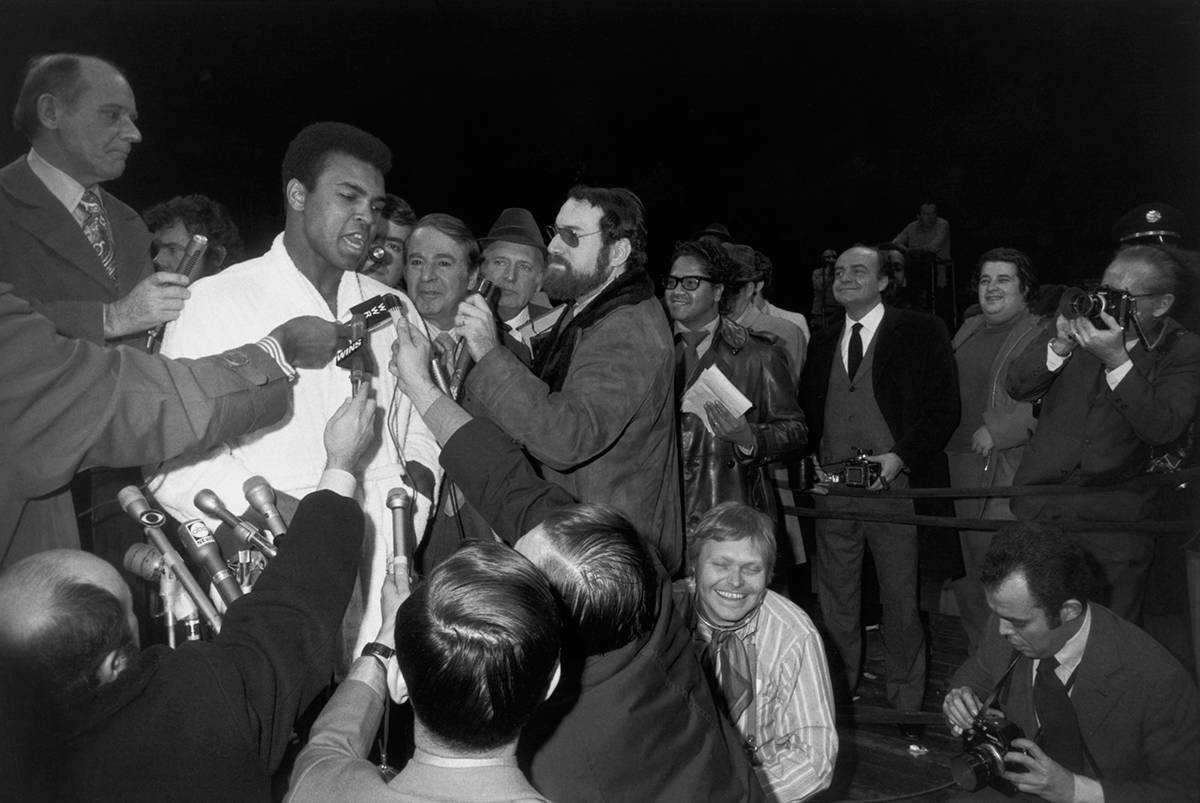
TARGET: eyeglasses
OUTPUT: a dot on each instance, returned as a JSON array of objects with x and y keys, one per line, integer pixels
[
  {"x": 569, "y": 236},
  {"x": 690, "y": 283}
]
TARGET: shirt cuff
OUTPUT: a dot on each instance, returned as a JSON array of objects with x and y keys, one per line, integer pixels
[
  {"x": 340, "y": 482},
  {"x": 275, "y": 352},
  {"x": 1053, "y": 361},
  {"x": 1114, "y": 377},
  {"x": 1088, "y": 790}
]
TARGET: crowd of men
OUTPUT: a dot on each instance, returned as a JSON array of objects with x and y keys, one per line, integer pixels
[{"x": 590, "y": 460}]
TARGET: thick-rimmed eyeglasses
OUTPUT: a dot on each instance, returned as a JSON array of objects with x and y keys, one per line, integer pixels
[
  {"x": 690, "y": 283},
  {"x": 569, "y": 236}
]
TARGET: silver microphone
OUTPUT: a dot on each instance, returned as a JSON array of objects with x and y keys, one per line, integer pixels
[
  {"x": 210, "y": 503},
  {"x": 261, "y": 497},
  {"x": 198, "y": 542},
  {"x": 404, "y": 542}
]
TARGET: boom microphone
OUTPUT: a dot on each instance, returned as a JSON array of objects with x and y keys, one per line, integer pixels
[
  {"x": 248, "y": 534},
  {"x": 491, "y": 294},
  {"x": 198, "y": 542},
  {"x": 261, "y": 497}
]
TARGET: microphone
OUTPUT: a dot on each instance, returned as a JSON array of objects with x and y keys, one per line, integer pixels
[
  {"x": 357, "y": 363},
  {"x": 248, "y": 534},
  {"x": 491, "y": 294},
  {"x": 377, "y": 254},
  {"x": 134, "y": 503},
  {"x": 261, "y": 497},
  {"x": 188, "y": 266},
  {"x": 145, "y": 561},
  {"x": 198, "y": 542},
  {"x": 404, "y": 542}
]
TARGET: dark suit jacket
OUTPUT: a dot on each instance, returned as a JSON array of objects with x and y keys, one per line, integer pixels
[
  {"x": 47, "y": 258},
  {"x": 916, "y": 387},
  {"x": 639, "y": 722},
  {"x": 1089, "y": 434},
  {"x": 1137, "y": 708}
]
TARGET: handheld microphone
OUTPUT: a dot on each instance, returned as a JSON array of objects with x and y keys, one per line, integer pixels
[
  {"x": 491, "y": 294},
  {"x": 358, "y": 333},
  {"x": 189, "y": 266},
  {"x": 248, "y": 534},
  {"x": 377, "y": 254},
  {"x": 198, "y": 542},
  {"x": 404, "y": 541},
  {"x": 134, "y": 503},
  {"x": 261, "y": 497},
  {"x": 375, "y": 311}
]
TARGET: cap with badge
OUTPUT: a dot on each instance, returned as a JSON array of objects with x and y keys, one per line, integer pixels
[{"x": 1150, "y": 224}]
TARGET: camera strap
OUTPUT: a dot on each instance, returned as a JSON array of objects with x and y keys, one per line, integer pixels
[{"x": 1002, "y": 683}]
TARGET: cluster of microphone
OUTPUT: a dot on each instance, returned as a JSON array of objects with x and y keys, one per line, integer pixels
[{"x": 248, "y": 549}]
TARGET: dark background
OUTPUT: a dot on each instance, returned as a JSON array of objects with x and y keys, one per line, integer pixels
[{"x": 800, "y": 125}]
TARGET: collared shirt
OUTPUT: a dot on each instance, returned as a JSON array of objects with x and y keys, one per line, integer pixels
[
  {"x": 67, "y": 190},
  {"x": 870, "y": 324},
  {"x": 704, "y": 345},
  {"x": 515, "y": 323},
  {"x": 795, "y": 735}
]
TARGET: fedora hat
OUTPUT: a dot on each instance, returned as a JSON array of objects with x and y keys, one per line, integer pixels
[{"x": 515, "y": 225}]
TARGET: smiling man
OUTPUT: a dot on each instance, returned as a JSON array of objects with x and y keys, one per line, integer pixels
[
  {"x": 723, "y": 455},
  {"x": 596, "y": 412},
  {"x": 882, "y": 381},
  {"x": 332, "y": 184},
  {"x": 1107, "y": 714},
  {"x": 761, "y": 652}
]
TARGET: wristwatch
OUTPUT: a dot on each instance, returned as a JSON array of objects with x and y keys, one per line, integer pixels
[{"x": 380, "y": 652}]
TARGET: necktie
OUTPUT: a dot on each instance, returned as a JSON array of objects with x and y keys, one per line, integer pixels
[
  {"x": 445, "y": 345},
  {"x": 728, "y": 655},
  {"x": 1059, "y": 726},
  {"x": 95, "y": 228},
  {"x": 854, "y": 355},
  {"x": 691, "y": 357}
]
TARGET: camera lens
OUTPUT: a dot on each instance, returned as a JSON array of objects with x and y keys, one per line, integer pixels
[{"x": 971, "y": 770}]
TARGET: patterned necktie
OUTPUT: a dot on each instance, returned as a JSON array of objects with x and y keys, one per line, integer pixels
[
  {"x": 854, "y": 355},
  {"x": 445, "y": 345},
  {"x": 1059, "y": 726},
  {"x": 95, "y": 228},
  {"x": 728, "y": 655}
]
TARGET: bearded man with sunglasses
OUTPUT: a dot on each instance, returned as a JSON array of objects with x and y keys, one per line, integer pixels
[
  {"x": 724, "y": 455},
  {"x": 596, "y": 411}
]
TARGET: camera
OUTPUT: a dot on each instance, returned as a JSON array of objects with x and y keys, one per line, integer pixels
[
  {"x": 1077, "y": 303},
  {"x": 984, "y": 745},
  {"x": 857, "y": 471}
]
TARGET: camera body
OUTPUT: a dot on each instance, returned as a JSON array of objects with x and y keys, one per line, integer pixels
[
  {"x": 984, "y": 744},
  {"x": 1120, "y": 304},
  {"x": 858, "y": 471}
]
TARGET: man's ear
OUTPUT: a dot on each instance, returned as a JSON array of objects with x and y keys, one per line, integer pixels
[
  {"x": 217, "y": 254},
  {"x": 1071, "y": 610},
  {"x": 296, "y": 194},
  {"x": 618, "y": 252},
  {"x": 1162, "y": 305},
  {"x": 554, "y": 679},
  {"x": 884, "y": 281},
  {"x": 49, "y": 109},
  {"x": 112, "y": 666}
]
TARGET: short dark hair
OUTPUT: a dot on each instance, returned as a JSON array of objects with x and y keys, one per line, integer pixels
[
  {"x": 1169, "y": 264},
  {"x": 310, "y": 150},
  {"x": 1055, "y": 567},
  {"x": 1026, "y": 276},
  {"x": 623, "y": 216},
  {"x": 734, "y": 521},
  {"x": 711, "y": 257},
  {"x": 456, "y": 230},
  {"x": 478, "y": 643},
  {"x": 397, "y": 210},
  {"x": 59, "y": 74},
  {"x": 199, "y": 214},
  {"x": 603, "y": 573}
]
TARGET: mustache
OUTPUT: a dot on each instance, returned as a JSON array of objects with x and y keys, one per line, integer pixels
[{"x": 557, "y": 259}]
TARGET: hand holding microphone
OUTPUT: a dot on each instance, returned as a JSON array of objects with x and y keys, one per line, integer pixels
[
  {"x": 309, "y": 341},
  {"x": 476, "y": 321},
  {"x": 350, "y": 431}
]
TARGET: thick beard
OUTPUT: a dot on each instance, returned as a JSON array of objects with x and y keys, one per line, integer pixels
[{"x": 562, "y": 282}]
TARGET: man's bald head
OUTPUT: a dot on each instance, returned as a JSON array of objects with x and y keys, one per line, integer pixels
[{"x": 68, "y": 621}]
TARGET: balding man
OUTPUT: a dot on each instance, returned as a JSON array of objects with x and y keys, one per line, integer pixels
[{"x": 89, "y": 716}]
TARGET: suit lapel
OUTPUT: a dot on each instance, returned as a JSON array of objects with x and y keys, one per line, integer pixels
[
  {"x": 38, "y": 212},
  {"x": 884, "y": 343},
  {"x": 1094, "y": 695}
]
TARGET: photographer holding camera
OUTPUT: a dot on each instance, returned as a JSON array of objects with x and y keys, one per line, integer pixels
[
  {"x": 1117, "y": 378},
  {"x": 1106, "y": 713}
]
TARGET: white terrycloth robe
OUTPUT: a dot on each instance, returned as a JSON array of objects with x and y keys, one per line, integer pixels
[{"x": 243, "y": 303}]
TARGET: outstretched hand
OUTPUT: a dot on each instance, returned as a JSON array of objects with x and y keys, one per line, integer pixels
[{"x": 350, "y": 431}]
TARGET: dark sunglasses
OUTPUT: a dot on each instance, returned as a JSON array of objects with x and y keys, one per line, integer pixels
[{"x": 569, "y": 236}]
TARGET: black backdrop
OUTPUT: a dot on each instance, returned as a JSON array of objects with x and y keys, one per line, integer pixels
[{"x": 800, "y": 125}]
